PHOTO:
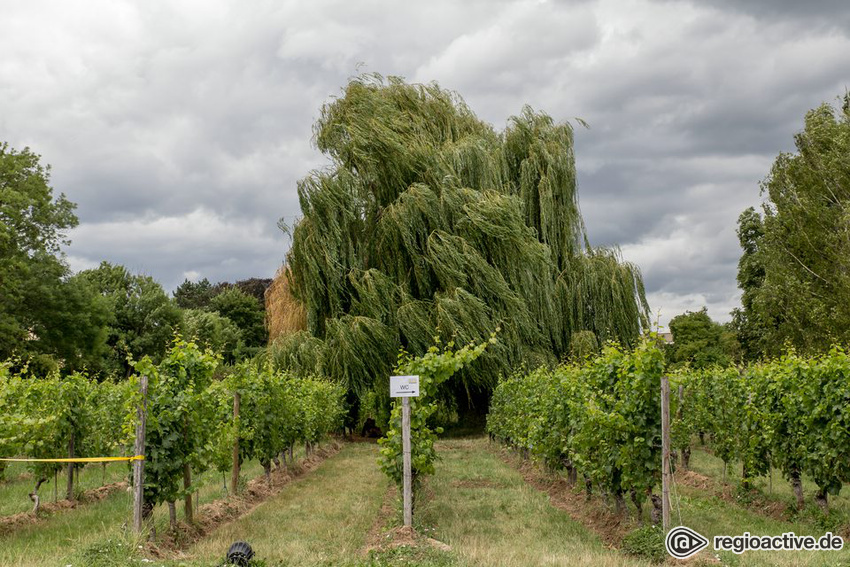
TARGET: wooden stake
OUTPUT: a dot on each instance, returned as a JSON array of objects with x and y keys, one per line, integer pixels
[
  {"x": 187, "y": 499},
  {"x": 139, "y": 466},
  {"x": 405, "y": 444},
  {"x": 69, "y": 492},
  {"x": 665, "y": 452},
  {"x": 234, "y": 478}
]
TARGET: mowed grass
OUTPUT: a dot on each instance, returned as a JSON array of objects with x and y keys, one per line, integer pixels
[
  {"x": 321, "y": 518},
  {"x": 475, "y": 502},
  {"x": 491, "y": 517},
  {"x": 478, "y": 505}
]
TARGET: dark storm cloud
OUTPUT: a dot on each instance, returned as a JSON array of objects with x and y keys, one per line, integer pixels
[
  {"x": 182, "y": 129},
  {"x": 823, "y": 13}
]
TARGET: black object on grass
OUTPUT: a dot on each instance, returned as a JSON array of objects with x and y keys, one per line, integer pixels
[{"x": 240, "y": 553}]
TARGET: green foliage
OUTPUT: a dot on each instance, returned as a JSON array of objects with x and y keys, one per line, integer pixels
[
  {"x": 214, "y": 332},
  {"x": 194, "y": 295},
  {"x": 646, "y": 542},
  {"x": 143, "y": 319},
  {"x": 178, "y": 418},
  {"x": 246, "y": 312},
  {"x": 279, "y": 409},
  {"x": 299, "y": 352},
  {"x": 191, "y": 415},
  {"x": 583, "y": 344},
  {"x": 602, "y": 418},
  {"x": 790, "y": 413},
  {"x": 429, "y": 223},
  {"x": 794, "y": 270},
  {"x": 42, "y": 314},
  {"x": 45, "y": 414},
  {"x": 32, "y": 220},
  {"x": 433, "y": 368},
  {"x": 747, "y": 321},
  {"x": 698, "y": 341}
]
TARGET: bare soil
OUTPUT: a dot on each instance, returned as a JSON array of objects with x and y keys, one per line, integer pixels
[{"x": 382, "y": 538}]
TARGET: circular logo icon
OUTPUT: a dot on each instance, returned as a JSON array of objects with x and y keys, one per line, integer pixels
[{"x": 682, "y": 542}]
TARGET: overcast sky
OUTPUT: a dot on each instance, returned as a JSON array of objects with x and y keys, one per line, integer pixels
[{"x": 181, "y": 128}]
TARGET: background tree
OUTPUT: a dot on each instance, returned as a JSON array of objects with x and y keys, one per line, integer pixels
[
  {"x": 255, "y": 287},
  {"x": 73, "y": 325},
  {"x": 143, "y": 319},
  {"x": 212, "y": 331},
  {"x": 194, "y": 295},
  {"x": 747, "y": 321},
  {"x": 43, "y": 315},
  {"x": 699, "y": 341},
  {"x": 430, "y": 223},
  {"x": 246, "y": 312},
  {"x": 804, "y": 249}
]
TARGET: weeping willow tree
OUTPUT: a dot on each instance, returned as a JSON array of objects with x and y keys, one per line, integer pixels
[{"x": 430, "y": 225}]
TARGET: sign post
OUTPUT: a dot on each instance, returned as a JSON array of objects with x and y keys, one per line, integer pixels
[{"x": 405, "y": 387}]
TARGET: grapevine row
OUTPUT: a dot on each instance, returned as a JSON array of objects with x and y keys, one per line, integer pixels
[
  {"x": 600, "y": 420},
  {"x": 191, "y": 426},
  {"x": 792, "y": 414}
]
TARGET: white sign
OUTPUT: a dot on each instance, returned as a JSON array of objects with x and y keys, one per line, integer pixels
[{"x": 404, "y": 386}]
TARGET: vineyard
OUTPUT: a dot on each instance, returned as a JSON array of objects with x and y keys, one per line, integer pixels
[
  {"x": 601, "y": 420},
  {"x": 594, "y": 423},
  {"x": 446, "y": 370},
  {"x": 192, "y": 423}
]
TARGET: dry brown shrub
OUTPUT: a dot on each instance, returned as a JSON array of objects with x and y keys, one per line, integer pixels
[{"x": 284, "y": 314}]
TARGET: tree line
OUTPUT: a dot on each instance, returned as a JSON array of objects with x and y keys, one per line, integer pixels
[
  {"x": 794, "y": 269},
  {"x": 102, "y": 319}
]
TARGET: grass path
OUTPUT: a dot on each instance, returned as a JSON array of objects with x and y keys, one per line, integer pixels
[
  {"x": 707, "y": 464},
  {"x": 709, "y": 514},
  {"x": 491, "y": 517},
  {"x": 475, "y": 503},
  {"x": 319, "y": 519}
]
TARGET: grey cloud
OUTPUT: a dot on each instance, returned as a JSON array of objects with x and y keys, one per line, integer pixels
[
  {"x": 822, "y": 13},
  {"x": 166, "y": 121}
]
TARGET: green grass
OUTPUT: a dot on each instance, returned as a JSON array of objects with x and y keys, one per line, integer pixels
[
  {"x": 322, "y": 518},
  {"x": 778, "y": 490},
  {"x": 477, "y": 504},
  {"x": 711, "y": 515},
  {"x": 489, "y": 515}
]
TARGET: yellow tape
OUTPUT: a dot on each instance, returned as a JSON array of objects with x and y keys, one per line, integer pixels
[{"x": 80, "y": 460}]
